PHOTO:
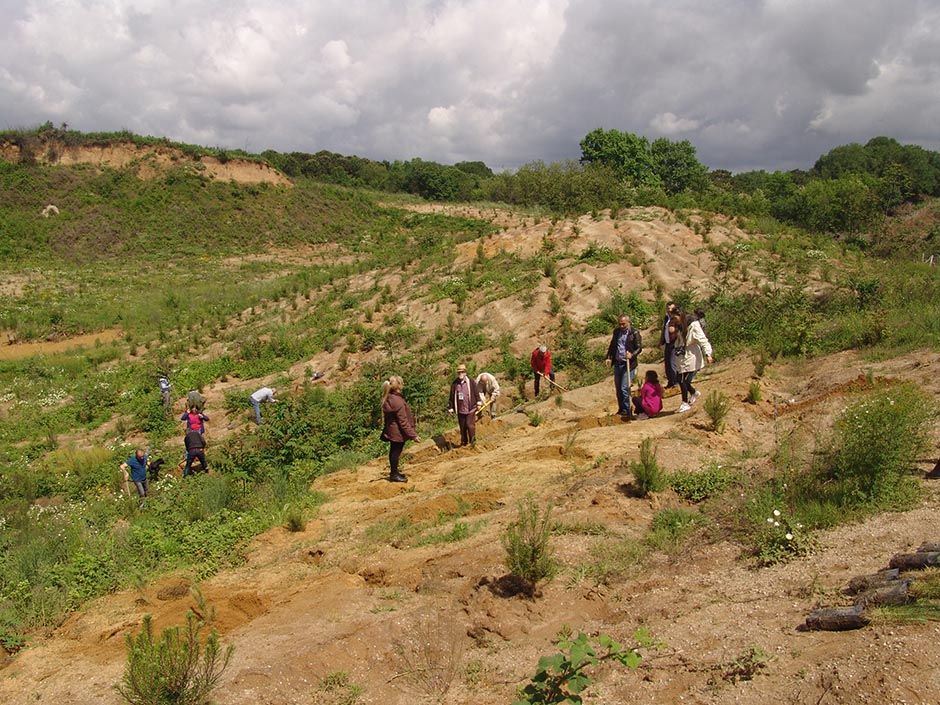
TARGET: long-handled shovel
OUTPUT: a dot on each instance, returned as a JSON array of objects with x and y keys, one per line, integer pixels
[
  {"x": 480, "y": 410},
  {"x": 553, "y": 382}
]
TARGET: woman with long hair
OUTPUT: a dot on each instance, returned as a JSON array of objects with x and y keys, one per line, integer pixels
[
  {"x": 697, "y": 351},
  {"x": 399, "y": 424}
]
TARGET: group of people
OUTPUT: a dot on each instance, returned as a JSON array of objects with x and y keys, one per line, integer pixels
[
  {"x": 140, "y": 470},
  {"x": 468, "y": 398},
  {"x": 686, "y": 349}
]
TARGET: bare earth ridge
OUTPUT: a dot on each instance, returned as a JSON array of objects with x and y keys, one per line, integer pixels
[{"x": 329, "y": 599}]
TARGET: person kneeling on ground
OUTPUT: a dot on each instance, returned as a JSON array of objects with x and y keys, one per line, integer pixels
[{"x": 650, "y": 401}]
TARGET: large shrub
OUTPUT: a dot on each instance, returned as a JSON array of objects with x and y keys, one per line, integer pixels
[{"x": 876, "y": 443}]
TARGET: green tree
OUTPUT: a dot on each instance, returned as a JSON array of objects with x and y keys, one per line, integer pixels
[
  {"x": 628, "y": 155},
  {"x": 677, "y": 166}
]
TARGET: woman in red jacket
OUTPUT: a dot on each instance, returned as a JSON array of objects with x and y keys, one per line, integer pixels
[{"x": 399, "y": 424}]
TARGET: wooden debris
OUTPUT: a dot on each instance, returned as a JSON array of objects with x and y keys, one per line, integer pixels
[
  {"x": 915, "y": 561},
  {"x": 837, "y": 619}
]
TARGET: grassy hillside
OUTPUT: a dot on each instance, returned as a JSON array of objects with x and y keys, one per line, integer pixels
[{"x": 226, "y": 287}]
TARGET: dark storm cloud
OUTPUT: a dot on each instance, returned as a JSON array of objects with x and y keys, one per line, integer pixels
[{"x": 751, "y": 84}]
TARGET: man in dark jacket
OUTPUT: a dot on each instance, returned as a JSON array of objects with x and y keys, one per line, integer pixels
[
  {"x": 465, "y": 399},
  {"x": 622, "y": 353},
  {"x": 195, "y": 444}
]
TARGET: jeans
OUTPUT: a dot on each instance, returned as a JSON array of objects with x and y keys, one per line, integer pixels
[
  {"x": 191, "y": 455},
  {"x": 685, "y": 384},
  {"x": 623, "y": 378},
  {"x": 257, "y": 406},
  {"x": 142, "y": 487},
  {"x": 669, "y": 362}
]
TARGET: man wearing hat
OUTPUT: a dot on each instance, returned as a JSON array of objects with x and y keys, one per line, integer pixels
[
  {"x": 465, "y": 399},
  {"x": 541, "y": 363}
]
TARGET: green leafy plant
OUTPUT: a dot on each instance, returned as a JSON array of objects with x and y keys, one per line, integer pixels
[
  {"x": 745, "y": 666},
  {"x": 336, "y": 688},
  {"x": 177, "y": 669},
  {"x": 647, "y": 473},
  {"x": 877, "y": 440},
  {"x": 671, "y": 526},
  {"x": 717, "y": 405},
  {"x": 527, "y": 544},
  {"x": 781, "y": 539},
  {"x": 562, "y": 678},
  {"x": 699, "y": 486}
]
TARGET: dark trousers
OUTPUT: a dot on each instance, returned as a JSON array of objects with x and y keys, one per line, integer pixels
[
  {"x": 394, "y": 455},
  {"x": 468, "y": 427},
  {"x": 669, "y": 363},
  {"x": 191, "y": 455},
  {"x": 685, "y": 384},
  {"x": 538, "y": 378}
]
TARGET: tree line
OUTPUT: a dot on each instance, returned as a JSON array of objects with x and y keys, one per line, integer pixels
[{"x": 848, "y": 191}]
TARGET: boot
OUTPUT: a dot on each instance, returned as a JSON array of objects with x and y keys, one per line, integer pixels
[
  {"x": 935, "y": 473},
  {"x": 397, "y": 477}
]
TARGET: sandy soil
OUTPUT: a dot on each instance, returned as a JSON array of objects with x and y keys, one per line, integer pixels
[{"x": 331, "y": 598}]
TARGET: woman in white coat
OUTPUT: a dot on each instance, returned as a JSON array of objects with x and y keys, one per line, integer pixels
[{"x": 692, "y": 358}]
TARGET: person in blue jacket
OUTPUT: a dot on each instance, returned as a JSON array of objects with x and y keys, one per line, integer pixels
[{"x": 137, "y": 465}]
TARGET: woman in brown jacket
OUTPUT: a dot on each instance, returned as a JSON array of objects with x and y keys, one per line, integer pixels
[{"x": 399, "y": 424}]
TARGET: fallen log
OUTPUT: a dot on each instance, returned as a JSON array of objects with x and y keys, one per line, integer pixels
[
  {"x": 837, "y": 619},
  {"x": 915, "y": 561},
  {"x": 870, "y": 582},
  {"x": 895, "y": 594}
]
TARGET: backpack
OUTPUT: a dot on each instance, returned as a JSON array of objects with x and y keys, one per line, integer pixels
[{"x": 194, "y": 421}]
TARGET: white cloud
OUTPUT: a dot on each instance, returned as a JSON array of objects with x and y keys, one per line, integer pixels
[
  {"x": 671, "y": 124},
  {"x": 772, "y": 84}
]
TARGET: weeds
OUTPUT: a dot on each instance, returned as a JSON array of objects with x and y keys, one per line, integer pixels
[
  {"x": 699, "y": 486},
  {"x": 179, "y": 669},
  {"x": 526, "y": 542},
  {"x": 717, "y": 405},
  {"x": 336, "y": 689},
  {"x": 753, "y": 393},
  {"x": 647, "y": 473},
  {"x": 431, "y": 654},
  {"x": 672, "y": 526}
]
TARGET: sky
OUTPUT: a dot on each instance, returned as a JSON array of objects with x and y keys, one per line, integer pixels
[{"x": 752, "y": 84}]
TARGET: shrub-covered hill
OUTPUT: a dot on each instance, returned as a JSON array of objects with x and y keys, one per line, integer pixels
[{"x": 336, "y": 611}]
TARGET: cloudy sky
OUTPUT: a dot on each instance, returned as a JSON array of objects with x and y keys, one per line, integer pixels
[{"x": 751, "y": 83}]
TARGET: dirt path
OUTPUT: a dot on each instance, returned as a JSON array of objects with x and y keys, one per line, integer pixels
[
  {"x": 334, "y": 599},
  {"x": 18, "y": 351}
]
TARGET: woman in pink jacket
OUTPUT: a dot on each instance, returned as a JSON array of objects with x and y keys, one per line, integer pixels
[{"x": 399, "y": 424}]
